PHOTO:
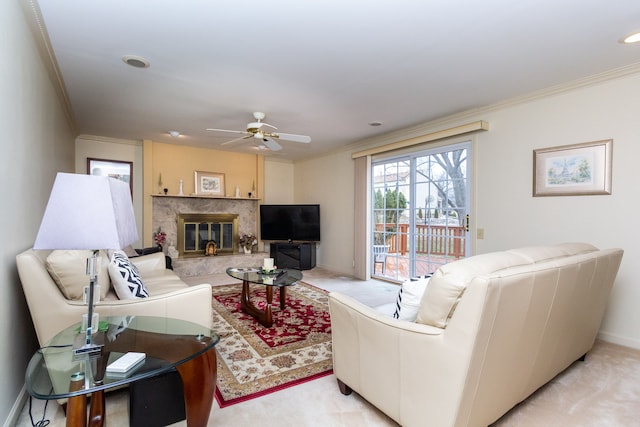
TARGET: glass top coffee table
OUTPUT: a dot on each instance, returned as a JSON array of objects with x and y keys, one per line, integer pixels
[
  {"x": 276, "y": 279},
  {"x": 55, "y": 373}
]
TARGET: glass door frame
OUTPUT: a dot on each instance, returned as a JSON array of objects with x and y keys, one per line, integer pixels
[{"x": 411, "y": 157}]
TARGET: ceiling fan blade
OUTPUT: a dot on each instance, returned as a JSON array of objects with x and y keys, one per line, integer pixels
[
  {"x": 237, "y": 139},
  {"x": 227, "y": 130},
  {"x": 292, "y": 137},
  {"x": 271, "y": 144}
]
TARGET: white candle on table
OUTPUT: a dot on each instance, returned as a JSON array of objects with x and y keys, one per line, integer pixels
[{"x": 268, "y": 264}]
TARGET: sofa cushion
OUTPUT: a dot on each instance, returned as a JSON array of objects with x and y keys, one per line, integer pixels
[
  {"x": 125, "y": 277},
  {"x": 409, "y": 298},
  {"x": 544, "y": 253},
  {"x": 68, "y": 268},
  {"x": 449, "y": 282}
]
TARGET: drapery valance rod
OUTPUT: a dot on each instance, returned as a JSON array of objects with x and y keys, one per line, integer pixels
[{"x": 434, "y": 136}]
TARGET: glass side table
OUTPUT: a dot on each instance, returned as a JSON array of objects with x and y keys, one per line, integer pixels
[
  {"x": 55, "y": 373},
  {"x": 276, "y": 279}
]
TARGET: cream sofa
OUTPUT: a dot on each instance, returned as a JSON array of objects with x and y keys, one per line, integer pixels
[
  {"x": 490, "y": 330},
  {"x": 169, "y": 296}
]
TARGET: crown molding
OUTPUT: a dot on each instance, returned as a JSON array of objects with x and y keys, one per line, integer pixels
[
  {"x": 472, "y": 114},
  {"x": 35, "y": 22},
  {"x": 109, "y": 140}
]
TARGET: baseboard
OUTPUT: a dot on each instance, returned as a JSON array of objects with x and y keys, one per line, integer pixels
[
  {"x": 16, "y": 409},
  {"x": 616, "y": 339}
]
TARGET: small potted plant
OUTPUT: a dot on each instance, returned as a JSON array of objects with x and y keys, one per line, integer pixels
[
  {"x": 159, "y": 237},
  {"x": 248, "y": 242}
]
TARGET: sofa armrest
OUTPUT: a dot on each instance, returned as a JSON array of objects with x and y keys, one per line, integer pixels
[
  {"x": 148, "y": 264},
  {"x": 403, "y": 368},
  {"x": 149, "y": 250},
  {"x": 192, "y": 304}
]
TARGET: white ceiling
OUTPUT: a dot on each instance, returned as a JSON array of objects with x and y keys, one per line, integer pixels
[{"x": 320, "y": 68}]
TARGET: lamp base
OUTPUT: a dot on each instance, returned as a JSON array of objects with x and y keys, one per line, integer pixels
[{"x": 87, "y": 350}]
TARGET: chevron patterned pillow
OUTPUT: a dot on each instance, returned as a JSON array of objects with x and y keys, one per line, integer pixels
[
  {"x": 125, "y": 277},
  {"x": 409, "y": 298}
]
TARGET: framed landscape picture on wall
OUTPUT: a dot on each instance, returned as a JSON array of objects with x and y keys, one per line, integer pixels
[
  {"x": 573, "y": 170},
  {"x": 209, "y": 183},
  {"x": 118, "y": 169}
]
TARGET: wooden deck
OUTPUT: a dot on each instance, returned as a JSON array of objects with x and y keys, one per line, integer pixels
[{"x": 435, "y": 246}]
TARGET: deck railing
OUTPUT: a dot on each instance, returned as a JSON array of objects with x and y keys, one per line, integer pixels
[{"x": 438, "y": 240}]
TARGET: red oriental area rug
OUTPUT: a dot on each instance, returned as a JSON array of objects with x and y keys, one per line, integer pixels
[{"x": 254, "y": 360}]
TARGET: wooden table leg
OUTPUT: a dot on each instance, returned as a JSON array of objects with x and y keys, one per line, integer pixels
[
  {"x": 283, "y": 296},
  {"x": 97, "y": 409},
  {"x": 264, "y": 317},
  {"x": 77, "y": 405},
  {"x": 199, "y": 384}
]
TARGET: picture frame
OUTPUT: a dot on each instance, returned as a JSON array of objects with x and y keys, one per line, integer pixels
[
  {"x": 573, "y": 170},
  {"x": 118, "y": 169},
  {"x": 209, "y": 183}
]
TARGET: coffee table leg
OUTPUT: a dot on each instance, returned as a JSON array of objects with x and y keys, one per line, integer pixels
[
  {"x": 265, "y": 318},
  {"x": 199, "y": 384},
  {"x": 268, "y": 313},
  {"x": 283, "y": 296}
]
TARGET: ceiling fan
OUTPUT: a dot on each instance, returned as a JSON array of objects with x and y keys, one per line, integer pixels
[{"x": 264, "y": 132}]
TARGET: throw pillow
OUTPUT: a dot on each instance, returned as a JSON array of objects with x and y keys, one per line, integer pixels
[
  {"x": 440, "y": 300},
  {"x": 409, "y": 297},
  {"x": 68, "y": 268},
  {"x": 125, "y": 277}
]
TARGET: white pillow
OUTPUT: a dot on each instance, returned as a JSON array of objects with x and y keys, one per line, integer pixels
[
  {"x": 409, "y": 297},
  {"x": 125, "y": 277}
]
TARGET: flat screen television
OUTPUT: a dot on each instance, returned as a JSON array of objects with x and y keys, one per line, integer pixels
[{"x": 291, "y": 223}]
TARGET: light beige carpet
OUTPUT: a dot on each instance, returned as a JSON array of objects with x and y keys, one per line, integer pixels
[{"x": 602, "y": 391}]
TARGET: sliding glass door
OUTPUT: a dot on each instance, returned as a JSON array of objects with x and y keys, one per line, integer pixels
[{"x": 420, "y": 211}]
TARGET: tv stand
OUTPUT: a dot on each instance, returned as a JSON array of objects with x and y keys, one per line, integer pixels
[{"x": 300, "y": 256}]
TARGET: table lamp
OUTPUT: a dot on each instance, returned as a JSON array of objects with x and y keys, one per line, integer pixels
[{"x": 88, "y": 212}]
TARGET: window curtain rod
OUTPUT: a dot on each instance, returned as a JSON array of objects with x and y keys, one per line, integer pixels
[{"x": 434, "y": 136}]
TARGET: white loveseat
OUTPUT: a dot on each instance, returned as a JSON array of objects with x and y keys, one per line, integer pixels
[
  {"x": 491, "y": 329},
  {"x": 51, "y": 311}
]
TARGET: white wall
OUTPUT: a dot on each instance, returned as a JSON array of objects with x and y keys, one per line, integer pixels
[
  {"x": 278, "y": 182},
  {"x": 512, "y": 217},
  {"x": 37, "y": 143},
  {"x": 505, "y": 208},
  {"x": 115, "y": 149},
  {"x": 329, "y": 181}
]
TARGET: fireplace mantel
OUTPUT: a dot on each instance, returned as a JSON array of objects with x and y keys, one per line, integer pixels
[{"x": 201, "y": 196}]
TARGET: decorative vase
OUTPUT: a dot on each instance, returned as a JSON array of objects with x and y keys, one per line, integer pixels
[{"x": 246, "y": 250}]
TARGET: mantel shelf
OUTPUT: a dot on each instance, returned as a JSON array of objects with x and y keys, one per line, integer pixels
[{"x": 200, "y": 196}]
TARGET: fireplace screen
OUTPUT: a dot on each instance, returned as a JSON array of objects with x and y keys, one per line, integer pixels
[{"x": 196, "y": 230}]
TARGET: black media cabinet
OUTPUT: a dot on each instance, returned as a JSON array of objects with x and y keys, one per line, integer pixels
[{"x": 301, "y": 256}]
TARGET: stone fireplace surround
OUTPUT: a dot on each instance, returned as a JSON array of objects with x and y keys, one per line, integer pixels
[{"x": 165, "y": 215}]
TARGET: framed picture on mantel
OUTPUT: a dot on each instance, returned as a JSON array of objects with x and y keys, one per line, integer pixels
[
  {"x": 118, "y": 169},
  {"x": 209, "y": 183}
]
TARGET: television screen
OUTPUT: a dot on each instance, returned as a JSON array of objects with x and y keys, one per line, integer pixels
[{"x": 290, "y": 222}]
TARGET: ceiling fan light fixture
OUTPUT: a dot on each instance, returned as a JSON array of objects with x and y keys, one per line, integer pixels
[
  {"x": 136, "y": 61},
  {"x": 631, "y": 38}
]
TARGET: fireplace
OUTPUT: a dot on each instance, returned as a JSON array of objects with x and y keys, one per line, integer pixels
[
  {"x": 196, "y": 230},
  {"x": 167, "y": 212}
]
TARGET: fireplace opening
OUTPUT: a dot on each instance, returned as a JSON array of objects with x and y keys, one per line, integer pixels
[{"x": 196, "y": 230}]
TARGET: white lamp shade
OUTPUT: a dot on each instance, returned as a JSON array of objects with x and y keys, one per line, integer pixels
[{"x": 87, "y": 212}]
